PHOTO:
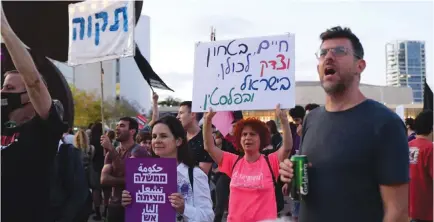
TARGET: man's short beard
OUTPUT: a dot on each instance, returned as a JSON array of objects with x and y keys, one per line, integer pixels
[
  {"x": 339, "y": 88},
  {"x": 122, "y": 138}
]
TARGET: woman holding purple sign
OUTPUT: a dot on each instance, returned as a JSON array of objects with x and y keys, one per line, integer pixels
[{"x": 193, "y": 200}]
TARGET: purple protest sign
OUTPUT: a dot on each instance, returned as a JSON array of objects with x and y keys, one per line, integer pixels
[{"x": 150, "y": 181}]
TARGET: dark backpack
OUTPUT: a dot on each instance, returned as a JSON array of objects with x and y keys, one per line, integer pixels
[
  {"x": 87, "y": 159},
  {"x": 190, "y": 176},
  {"x": 280, "y": 203},
  {"x": 69, "y": 192},
  {"x": 90, "y": 174}
]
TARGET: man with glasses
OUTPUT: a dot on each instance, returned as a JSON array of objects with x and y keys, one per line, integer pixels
[{"x": 357, "y": 147}]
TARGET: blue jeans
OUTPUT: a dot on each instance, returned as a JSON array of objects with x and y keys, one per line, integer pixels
[{"x": 295, "y": 208}]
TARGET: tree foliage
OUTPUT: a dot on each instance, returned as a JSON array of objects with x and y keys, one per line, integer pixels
[
  {"x": 121, "y": 108},
  {"x": 87, "y": 107},
  {"x": 170, "y": 101}
]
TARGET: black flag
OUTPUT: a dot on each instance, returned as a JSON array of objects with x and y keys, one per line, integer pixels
[
  {"x": 148, "y": 73},
  {"x": 427, "y": 97}
]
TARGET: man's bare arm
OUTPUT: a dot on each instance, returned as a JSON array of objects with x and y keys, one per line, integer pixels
[
  {"x": 205, "y": 167},
  {"x": 36, "y": 89},
  {"x": 395, "y": 201},
  {"x": 108, "y": 179}
]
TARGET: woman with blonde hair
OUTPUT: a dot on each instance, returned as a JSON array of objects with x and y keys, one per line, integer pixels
[{"x": 81, "y": 142}]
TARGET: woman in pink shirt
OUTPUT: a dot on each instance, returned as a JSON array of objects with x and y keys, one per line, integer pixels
[{"x": 252, "y": 196}]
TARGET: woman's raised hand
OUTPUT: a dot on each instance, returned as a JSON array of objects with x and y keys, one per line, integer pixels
[
  {"x": 281, "y": 113},
  {"x": 208, "y": 116}
]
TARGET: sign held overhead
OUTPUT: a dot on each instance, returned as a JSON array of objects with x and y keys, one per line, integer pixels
[
  {"x": 244, "y": 74},
  {"x": 100, "y": 30}
]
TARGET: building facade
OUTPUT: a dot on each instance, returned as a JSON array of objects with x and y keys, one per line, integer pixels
[
  {"x": 122, "y": 78},
  {"x": 405, "y": 66},
  {"x": 312, "y": 92}
]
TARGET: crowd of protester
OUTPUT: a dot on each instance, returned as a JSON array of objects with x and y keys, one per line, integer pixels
[{"x": 365, "y": 165}]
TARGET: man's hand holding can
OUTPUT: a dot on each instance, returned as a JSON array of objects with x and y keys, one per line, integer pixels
[{"x": 286, "y": 171}]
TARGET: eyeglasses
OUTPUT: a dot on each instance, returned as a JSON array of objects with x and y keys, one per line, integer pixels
[{"x": 337, "y": 52}]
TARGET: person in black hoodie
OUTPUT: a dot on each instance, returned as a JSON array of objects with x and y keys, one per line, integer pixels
[{"x": 69, "y": 191}]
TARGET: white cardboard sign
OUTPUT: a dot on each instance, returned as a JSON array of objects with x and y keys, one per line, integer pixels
[
  {"x": 244, "y": 74},
  {"x": 100, "y": 30}
]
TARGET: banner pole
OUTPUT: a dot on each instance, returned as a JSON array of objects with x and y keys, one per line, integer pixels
[{"x": 102, "y": 96}]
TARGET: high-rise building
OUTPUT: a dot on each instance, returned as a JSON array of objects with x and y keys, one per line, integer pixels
[{"x": 405, "y": 66}]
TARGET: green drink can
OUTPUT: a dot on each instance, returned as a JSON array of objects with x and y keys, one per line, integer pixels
[{"x": 300, "y": 182}]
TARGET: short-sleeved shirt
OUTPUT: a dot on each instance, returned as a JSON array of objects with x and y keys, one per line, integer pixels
[
  {"x": 196, "y": 146},
  {"x": 27, "y": 158},
  {"x": 421, "y": 179},
  {"x": 118, "y": 170},
  {"x": 352, "y": 153},
  {"x": 252, "y": 189}
]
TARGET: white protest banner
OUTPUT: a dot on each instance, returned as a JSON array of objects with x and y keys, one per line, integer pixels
[
  {"x": 100, "y": 30},
  {"x": 244, "y": 74}
]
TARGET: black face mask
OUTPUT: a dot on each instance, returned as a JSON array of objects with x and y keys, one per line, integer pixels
[{"x": 10, "y": 102}]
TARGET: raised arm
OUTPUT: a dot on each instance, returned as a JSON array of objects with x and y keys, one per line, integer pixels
[
  {"x": 209, "y": 145},
  {"x": 155, "y": 112},
  {"x": 285, "y": 149},
  {"x": 23, "y": 62}
]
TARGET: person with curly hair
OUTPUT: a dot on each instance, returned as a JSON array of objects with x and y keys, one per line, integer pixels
[
  {"x": 144, "y": 139},
  {"x": 253, "y": 187}
]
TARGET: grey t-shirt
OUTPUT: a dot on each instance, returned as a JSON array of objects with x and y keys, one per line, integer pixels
[{"x": 352, "y": 153}]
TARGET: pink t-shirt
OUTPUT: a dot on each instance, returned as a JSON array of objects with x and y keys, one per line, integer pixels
[{"x": 252, "y": 195}]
